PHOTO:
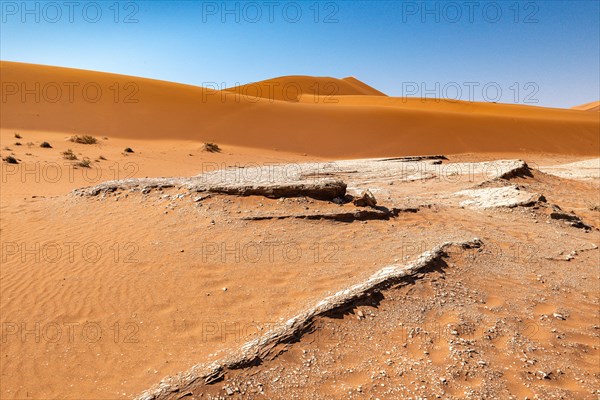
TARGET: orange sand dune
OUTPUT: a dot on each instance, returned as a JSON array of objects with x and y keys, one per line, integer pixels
[
  {"x": 593, "y": 106},
  {"x": 291, "y": 88},
  {"x": 451, "y": 106},
  {"x": 70, "y": 101}
]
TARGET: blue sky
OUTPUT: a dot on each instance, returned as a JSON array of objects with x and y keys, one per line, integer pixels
[{"x": 529, "y": 52}]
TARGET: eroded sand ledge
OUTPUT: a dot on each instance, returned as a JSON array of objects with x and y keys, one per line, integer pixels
[{"x": 258, "y": 348}]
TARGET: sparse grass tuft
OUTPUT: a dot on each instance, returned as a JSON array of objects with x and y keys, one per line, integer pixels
[
  {"x": 17, "y": 143},
  {"x": 85, "y": 139},
  {"x": 17, "y": 136},
  {"x": 11, "y": 160},
  {"x": 69, "y": 155},
  {"x": 85, "y": 163},
  {"x": 211, "y": 147},
  {"x": 45, "y": 145},
  {"x": 30, "y": 144},
  {"x": 101, "y": 158}
]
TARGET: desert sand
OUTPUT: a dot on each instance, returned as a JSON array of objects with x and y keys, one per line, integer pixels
[
  {"x": 127, "y": 107},
  {"x": 114, "y": 279}
]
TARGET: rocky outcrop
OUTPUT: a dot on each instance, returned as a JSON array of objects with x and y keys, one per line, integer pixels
[
  {"x": 325, "y": 189},
  {"x": 521, "y": 170},
  {"x": 366, "y": 199},
  {"x": 506, "y": 196},
  {"x": 570, "y": 218},
  {"x": 323, "y": 181},
  {"x": 321, "y": 189}
]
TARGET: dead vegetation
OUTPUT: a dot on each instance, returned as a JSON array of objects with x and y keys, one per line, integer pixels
[
  {"x": 85, "y": 139},
  {"x": 85, "y": 163},
  {"x": 69, "y": 155},
  {"x": 211, "y": 147}
]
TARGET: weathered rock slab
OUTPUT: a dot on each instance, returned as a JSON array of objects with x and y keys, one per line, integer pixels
[{"x": 506, "y": 196}]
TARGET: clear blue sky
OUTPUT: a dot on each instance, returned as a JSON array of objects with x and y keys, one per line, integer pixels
[{"x": 548, "y": 50}]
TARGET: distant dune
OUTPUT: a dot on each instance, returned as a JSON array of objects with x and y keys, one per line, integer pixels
[
  {"x": 292, "y": 88},
  {"x": 593, "y": 106},
  {"x": 342, "y": 118}
]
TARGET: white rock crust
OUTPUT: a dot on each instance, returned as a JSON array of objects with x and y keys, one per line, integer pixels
[
  {"x": 506, "y": 196},
  {"x": 324, "y": 180},
  {"x": 581, "y": 170}
]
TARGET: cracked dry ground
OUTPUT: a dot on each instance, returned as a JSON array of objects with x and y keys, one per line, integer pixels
[{"x": 517, "y": 317}]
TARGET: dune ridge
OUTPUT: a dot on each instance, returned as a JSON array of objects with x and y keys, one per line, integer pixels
[
  {"x": 292, "y": 88},
  {"x": 345, "y": 125},
  {"x": 593, "y": 106}
]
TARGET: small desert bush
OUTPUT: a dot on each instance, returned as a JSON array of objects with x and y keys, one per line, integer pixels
[
  {"x": 17, "y": 136},
  {"x": 85, "y": 163},
  {"x": 85, "y": 139},
  {"x": 17, "y": 143},
  {"x": 211, "y": 147},
  {"x": 45, "y": 145},
  {"x": 101, "y": 158},
  {"x": 11, "y": 160},
  {"x": 69, "y": 155},
  {"x": 128, "y": 150}
]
